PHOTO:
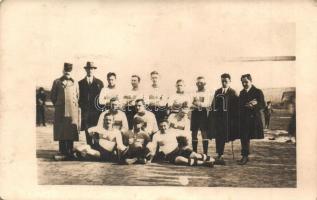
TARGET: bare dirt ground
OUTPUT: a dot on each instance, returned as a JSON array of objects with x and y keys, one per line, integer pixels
[{"x": 272, "y": 164}]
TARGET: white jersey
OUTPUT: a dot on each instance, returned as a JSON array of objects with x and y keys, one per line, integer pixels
[
  {"x": 120, "y": 120},
  {"x": 167, "y": 142},
  {"x": 129, "y": 99},
  {"x": 113, "y": 135},
  {"x": 175, "y": 101},
  {"x": 181, "y": 126},
  {"x": 201, "y": 97},
  {"x": 156, "y": 97},
  {"x": 106, "y": 94},
  {"x": 150, "y": 122}
]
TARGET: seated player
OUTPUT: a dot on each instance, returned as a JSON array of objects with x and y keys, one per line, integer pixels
[
  {"x": 180, "y": 123},
  {"x": 120, "y": 119},
  {"x": 150, "y": 125},
  {"x": 107, "y": 143},
  {"x": 136, "y": 140},
  {"x": 165, "y": 145}
]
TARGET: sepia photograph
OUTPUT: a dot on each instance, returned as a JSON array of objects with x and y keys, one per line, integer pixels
[
  {"x": 223, "y": 115},
  {"x": 157, "y": 99}
]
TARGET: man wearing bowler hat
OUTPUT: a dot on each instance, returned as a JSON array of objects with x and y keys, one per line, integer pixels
[
  {"x": 64, "y": 96},
  {"x": 89, "y": 90}
]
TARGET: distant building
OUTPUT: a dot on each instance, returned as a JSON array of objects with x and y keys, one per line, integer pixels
[{"x": 279, "y": 96}]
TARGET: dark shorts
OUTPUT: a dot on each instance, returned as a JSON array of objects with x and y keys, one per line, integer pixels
[
  {"x": 104, "y": 154},
  {"x": 199, "y": 120},
  {"x": 159, "y": 112},
  {"x": 130, "y": 112},
  {"x": 183, "y": 152},
  {"x": 136, "y": 153}
]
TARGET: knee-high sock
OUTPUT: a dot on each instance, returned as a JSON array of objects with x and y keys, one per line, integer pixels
[
  {"x": 194, "y": 144},
  {"x": 205, "y": 146}
]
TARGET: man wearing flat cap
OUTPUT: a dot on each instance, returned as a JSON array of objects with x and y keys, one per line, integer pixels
[
  {"x": 64, "y": 96},
  {"x": 89, "y": 90}
]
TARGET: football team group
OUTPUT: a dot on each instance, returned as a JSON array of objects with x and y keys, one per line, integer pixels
[{"x": 146, "y": 125}]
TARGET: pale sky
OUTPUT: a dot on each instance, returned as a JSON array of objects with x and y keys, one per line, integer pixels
[{"x": 179, "y": 41}]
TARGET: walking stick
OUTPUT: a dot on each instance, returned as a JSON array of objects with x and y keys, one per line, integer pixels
[{"x": 232, "y": 150}]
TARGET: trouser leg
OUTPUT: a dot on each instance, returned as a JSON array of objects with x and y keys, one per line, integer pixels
[
  {"x": 268, "y": 121},
  {"x": 88, "y": 137},
  {"x": 245, "y": 146},
  {"x": 220, "y": 145},
  {"x": 70, "y": 146},
  {"x": 194, "y": 140},
  {"x": 62, "y": 147},
  {"x": 43, "y": 115}
]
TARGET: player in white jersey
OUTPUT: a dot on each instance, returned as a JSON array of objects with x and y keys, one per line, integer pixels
[
  {"x": 201, "y": 102},
  {"x": 157, "y": 99},
  {"x": 109, "y": 92},
  {"x": 176, "y": 101},
  {"x": 130, "y": 97},
  {"x": 120, "y": 119},
  {"x": 180, "y": 123},
  {"x": 107, "y": 143},
  {"x": 165, "y": 146},
  {"x": 150, "y": 126},
  {"x": 136, "y": 140}
]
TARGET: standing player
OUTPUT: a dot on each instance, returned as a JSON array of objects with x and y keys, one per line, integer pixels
[
  {"x": 120, "y": 119},
  {"x": 165, "y": 144},
  {"x": 200, "y": 106},
  {"x": 109, "y": 92},
  {"x": 136, "y": 140},
  {"x": 107, "y": 143},
  {"x": 157, "y": 100},
  {"x": 150, "y": 126},
  {"x": 129, "y": 99},
  {"x": 225, "y": 115},
  {"x": 176, "y": 101}
]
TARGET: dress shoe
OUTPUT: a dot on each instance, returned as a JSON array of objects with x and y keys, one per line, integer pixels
[
  {"x": 209, "y": 164},
  {"x": 220, "y": 161},
  {"x": 243, "y": 160}
]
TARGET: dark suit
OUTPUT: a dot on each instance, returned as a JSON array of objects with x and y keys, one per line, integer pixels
[
  {"x": 251, "y": 125},
  {"x": 224, "y": 118},
  {"x": 87, "y": 102}
]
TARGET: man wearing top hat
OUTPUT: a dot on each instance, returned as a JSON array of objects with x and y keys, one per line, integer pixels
[
  {"x": 89, "y": 90},
  {"x": 64, "y": 96}
]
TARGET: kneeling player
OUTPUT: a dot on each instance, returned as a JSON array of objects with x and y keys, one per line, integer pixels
[
  {"x": 180, "y": 124},
  {"x": 107, "y": 143},
  {"x": 136, "y": 140},
  {"x": 165, "y": 146}
]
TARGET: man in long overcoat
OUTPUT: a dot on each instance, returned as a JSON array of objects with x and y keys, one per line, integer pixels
[
  {"x": 64, "y": 96},
  {"x": 89, "y": 90},
  {"x": 224, "y": 117},
  {"x": 251, "y": 102}
]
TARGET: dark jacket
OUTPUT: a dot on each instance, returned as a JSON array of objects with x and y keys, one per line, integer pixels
[
  {"x": 87, "y": 101},
  {"x": 251, "y": 125},
  {"x": 40, "y": 99},
  {"x": 223, "y": 119}
]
